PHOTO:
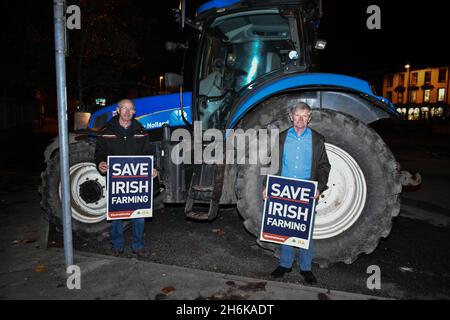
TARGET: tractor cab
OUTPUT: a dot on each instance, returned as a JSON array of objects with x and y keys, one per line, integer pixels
[
  {"x": 242, "y": 45},
  {"x": 239, "y": 50}
]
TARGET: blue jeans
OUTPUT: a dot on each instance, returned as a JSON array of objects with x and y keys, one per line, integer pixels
[
  {"x": 287, "y": 253},
  {"x": 116, "y": 234},
  {"x": 287, "y": 256}
]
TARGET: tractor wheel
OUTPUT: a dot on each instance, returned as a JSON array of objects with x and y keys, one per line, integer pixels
[
  {"x": 87, "y": 188},
  {"x": 356, "y": 210}
]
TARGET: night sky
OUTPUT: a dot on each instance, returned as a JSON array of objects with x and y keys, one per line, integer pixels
[{"x": 409, "y": 34}]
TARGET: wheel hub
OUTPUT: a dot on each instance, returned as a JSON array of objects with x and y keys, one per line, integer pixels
[
  {"x": 91, "y": 191},
  {"x": 88, "y": 193},
  {"x": 342, "y": 203}
]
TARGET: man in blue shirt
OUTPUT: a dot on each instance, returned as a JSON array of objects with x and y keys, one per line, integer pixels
[{"x": 303, "y": 156}]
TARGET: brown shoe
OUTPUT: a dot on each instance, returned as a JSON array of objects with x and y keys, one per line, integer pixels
[
  {"x": 140, "y": 253},
  {"x": 117, "y": 253}
]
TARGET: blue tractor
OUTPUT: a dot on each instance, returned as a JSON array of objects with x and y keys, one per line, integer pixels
[{"x": 254, "y": 60}]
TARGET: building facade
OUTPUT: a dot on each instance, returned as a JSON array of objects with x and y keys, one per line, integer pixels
[{"x": 419, "y": 94}]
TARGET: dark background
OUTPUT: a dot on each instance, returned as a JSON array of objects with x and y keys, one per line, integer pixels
[{"x": 121, "y": 44}]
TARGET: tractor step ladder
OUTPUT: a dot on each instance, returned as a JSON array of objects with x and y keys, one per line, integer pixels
[{"x": 203, "y": 197}]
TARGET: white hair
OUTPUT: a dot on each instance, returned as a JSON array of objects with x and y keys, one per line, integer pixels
[
  {"x": 121, "y": 102},
  {"x": 299, "y": 106}
]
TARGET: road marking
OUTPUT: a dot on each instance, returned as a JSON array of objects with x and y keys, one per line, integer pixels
[{"x": 433, "y": 218}]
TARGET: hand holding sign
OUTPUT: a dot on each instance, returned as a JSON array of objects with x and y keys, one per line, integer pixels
[
  {"x": 103, "y": 167},
  {"x": 316, "y": 197}
]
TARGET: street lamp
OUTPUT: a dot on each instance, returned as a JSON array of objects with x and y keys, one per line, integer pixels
[
  {"x": 160, "y": 82},
  {"x": 407, "y": 83}
]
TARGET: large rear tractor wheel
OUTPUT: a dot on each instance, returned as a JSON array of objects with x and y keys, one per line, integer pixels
[{"x": 362, "y": 198}]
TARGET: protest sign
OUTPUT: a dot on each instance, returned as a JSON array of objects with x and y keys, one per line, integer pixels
[
  {"x": 130, "y": 187},
  {"x": 288, "y": 211}
]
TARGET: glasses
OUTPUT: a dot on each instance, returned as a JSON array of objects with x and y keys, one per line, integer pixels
[{"x": 126, "y": 109}]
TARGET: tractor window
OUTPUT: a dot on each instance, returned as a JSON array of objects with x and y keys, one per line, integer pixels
[{"x": 238, "y": 49}]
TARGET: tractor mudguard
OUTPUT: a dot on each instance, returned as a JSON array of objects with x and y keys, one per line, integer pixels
[{"x": 329, "y": 91}]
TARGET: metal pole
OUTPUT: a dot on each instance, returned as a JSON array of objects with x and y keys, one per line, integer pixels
[
  {"x": 60, "y": 25},
  {"x": 407, "y": 84}
]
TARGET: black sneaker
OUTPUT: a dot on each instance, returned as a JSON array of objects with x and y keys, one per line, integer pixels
[
  {"x": 280, "y": 271},
  {"x": 309, "y": 277}
]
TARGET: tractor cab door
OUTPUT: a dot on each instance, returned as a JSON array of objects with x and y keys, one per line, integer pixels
[{"x": 236, "y": 50}]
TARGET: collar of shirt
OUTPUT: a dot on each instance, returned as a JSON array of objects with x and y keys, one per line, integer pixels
[{"x": 294, "y": 134}]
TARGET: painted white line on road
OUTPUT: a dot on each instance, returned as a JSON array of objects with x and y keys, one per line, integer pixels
[
  {"x": 406, "y": 269},
  {"x": 424, "y": 272},
  {"x": 433, "y": 218}
]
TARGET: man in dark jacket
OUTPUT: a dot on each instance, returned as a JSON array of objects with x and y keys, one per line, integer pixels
[
  {"x": 123, "y": 136},
  {"x": 302, "y": 155}
]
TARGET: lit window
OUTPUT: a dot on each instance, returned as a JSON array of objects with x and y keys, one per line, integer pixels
[
  {"x": 441, "y": 94},
  {"x": 413, "y": 96},
  {"x": 424, "y": 112},
  {"x": 411, "y": 114},
  {"x": 100, "y": 102},
  {"x": 402, "y": 111},
  {"x": 426, "y": 95},
  {"x": 433, "y": 112}
]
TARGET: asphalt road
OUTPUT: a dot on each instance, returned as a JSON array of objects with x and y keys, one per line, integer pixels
[{"x": 414, "y": 260}]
